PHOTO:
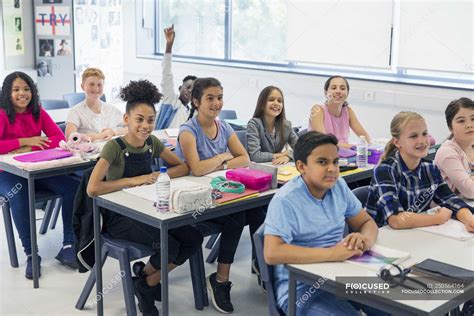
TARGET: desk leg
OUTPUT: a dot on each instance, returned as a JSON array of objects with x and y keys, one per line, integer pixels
[
  {"x": 164, "y": 269},
  {"x": 98, "y": 263},
  {"x": 291, "y": 294},
  {"x": 34, "y": 242}
]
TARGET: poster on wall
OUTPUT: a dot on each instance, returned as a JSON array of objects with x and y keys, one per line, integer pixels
[
  {"x": 53, "y": 20},
  {"x": 13, "y": 28}
]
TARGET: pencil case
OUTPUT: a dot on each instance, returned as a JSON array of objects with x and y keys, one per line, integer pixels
[{"x": 252, "y": 179}]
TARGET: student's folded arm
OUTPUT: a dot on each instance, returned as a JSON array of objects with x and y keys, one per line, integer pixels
[
  {"x": 364, "y": 224},
  {"x": 316, "y": 119},
  {"x": 51, "y": 130},
  {"x": 6, "y": 145},
  {"x": 357, "y": 126},
  {"x": 276, "y": 251},
  {"x": 241, "y": 157},
  {"x": 70, "y": 128},
  {"x": 198, "y": 167},
  {"x": 254, "y": 144},
  {"x": 98, "y": 186},
  {"x": 454, "y": 169},
  {"x": 119, "y": 131},
  {"x": 178, "y": 167},
  {"x": 407, "y": 219}
]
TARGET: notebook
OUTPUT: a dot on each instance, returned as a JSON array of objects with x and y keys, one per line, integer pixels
[
  {"x": 235, "y": 197},
  {"x": 380, "y": 256},
  {"x": 346, "y": 153},
  {"x": 44, "y": 155}
]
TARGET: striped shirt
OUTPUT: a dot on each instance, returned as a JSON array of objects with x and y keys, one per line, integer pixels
[{"x": 395, "y": 188}]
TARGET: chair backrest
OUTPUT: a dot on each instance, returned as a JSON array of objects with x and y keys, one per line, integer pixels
[
  {"x": 242, "y": 135},
  {"x": 361, "y": 194},
  {"x": 74, "y": 98},
  {"x": 228, "y": 115},
  {"x": 62, "y": 126},
  {"x": 302, "y": 132},
  {"x": 266, "y": 272},
  {"x": 54, "y": 104}
]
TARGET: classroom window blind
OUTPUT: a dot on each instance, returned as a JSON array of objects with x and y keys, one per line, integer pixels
[{"x": 436, "y": 35}]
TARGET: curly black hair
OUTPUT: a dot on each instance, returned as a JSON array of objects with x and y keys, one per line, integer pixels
[
  {"x": 7, "y": 103},
  {"x": 140, "y": 92}
]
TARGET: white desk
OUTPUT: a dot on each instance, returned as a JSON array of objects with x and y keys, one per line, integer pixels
[
  {"x": 421, "y": 245},
  {"x": 143, "y": 211}
]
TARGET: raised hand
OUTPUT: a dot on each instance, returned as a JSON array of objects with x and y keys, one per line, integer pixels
[{"x": 169, "y": 35}]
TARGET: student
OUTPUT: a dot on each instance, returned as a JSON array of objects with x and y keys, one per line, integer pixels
[
  {"x": 174, "y": 109},
  {"x": 305, "y": 223},
  {"x": 455, "y": 157},
  {"x": 208, "y": 144},
  {"x": 335, "y": 116},
  {"x": 22, "y": 120},
  {"x": 97, "y": 119},
  {"x": 404, "y": 184},
  {"x": 268, "y": 132},
  {"x": 126, "y": 162}
]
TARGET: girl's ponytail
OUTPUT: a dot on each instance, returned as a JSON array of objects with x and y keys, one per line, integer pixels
[{"x": 389, "y": 151}]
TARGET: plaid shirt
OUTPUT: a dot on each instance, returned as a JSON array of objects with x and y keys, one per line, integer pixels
[{"x": 394, "y": 188}]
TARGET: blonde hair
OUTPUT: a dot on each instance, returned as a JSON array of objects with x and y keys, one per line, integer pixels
[
  {"x": 92, "y": 72},
  {"x": 398, "y": 123}
]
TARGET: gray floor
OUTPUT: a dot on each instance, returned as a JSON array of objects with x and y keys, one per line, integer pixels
[{"x": 60, "y": 286}]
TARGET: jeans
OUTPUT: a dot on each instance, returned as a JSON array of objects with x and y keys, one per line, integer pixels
[
  {"x": 183, "y": 241},
  {"x": 231, "y": 227},
  {"x": 14, "y": 190}
]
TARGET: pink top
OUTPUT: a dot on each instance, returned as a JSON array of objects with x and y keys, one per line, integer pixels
[
  {"x": 25, "y": 126},
  {"x": 455, "y": 168},
  {"x": 338, "y": 126}
]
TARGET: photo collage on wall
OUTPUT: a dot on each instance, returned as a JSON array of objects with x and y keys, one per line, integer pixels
[
  {"x": 13, "y": 27},
  {"x": 98, "y": 38},
  {"x": 53, "y": 35}
]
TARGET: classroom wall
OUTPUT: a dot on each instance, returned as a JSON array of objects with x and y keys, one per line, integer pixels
[
  {"x": 23, "y": 62},
  {"x": 375, "y": 103}
]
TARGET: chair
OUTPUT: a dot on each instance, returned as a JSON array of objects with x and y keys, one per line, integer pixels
[
  {"x": 62, "y": 126},
  {"x": 362, "y": 193},
  {"x": 242, "y": 135},
  {"x": 40, "y": 196},
  {"x": 125, "y": 252},
  {"x": 54, "y": 104},
  {"x": 74, "y": 98},
  {"x": 302, "y": 132},
  {"x": 228, "y": 115},
  {"x": 266, "y": 273}
]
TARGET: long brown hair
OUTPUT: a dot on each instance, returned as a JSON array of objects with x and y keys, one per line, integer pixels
[
  {"x": 398, "y": 123},
  {"x": 280, "y": 119}
]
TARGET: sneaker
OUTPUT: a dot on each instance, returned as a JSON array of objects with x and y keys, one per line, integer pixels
[
  {"x": 220, "y": 294},
  {"x": 29, "y": 267},
  {"x": 145, "y": 295},
  {"x": 67, "y": 256},
  {"x": 137, "y": 269}
]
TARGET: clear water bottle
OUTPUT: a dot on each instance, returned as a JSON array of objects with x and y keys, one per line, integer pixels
[
  {"x": 163, "y": 191},
  {"x": 362, "y": 152}
]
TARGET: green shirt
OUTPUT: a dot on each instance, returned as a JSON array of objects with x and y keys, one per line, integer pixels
[{"x": 115, "y": 156}]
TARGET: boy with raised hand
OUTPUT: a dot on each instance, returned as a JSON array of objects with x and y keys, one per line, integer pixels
[
  {"x": 97, "y": 119},
  {"x": 306, "y": 219},
  {"x": 174, "y": 109}
]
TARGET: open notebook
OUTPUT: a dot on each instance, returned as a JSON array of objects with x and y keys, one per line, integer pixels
[{"x": 380, "y": 256}]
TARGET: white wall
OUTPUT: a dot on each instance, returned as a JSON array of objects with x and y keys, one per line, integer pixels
[{"x": 241, "y": 88}]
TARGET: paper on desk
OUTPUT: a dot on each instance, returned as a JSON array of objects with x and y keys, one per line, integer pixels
[
  {"x": 452, "y": 229},
  {"x": 220, "y": 173},
  {"x": 380, "y": 256},
  {"x": 172, "y": 132},
  {"x": 148, "y": 192}
]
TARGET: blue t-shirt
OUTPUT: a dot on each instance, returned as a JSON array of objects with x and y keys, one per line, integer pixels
[
  {"x": 300, "y": 219},
  {"x": 206, "y": 148}
]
